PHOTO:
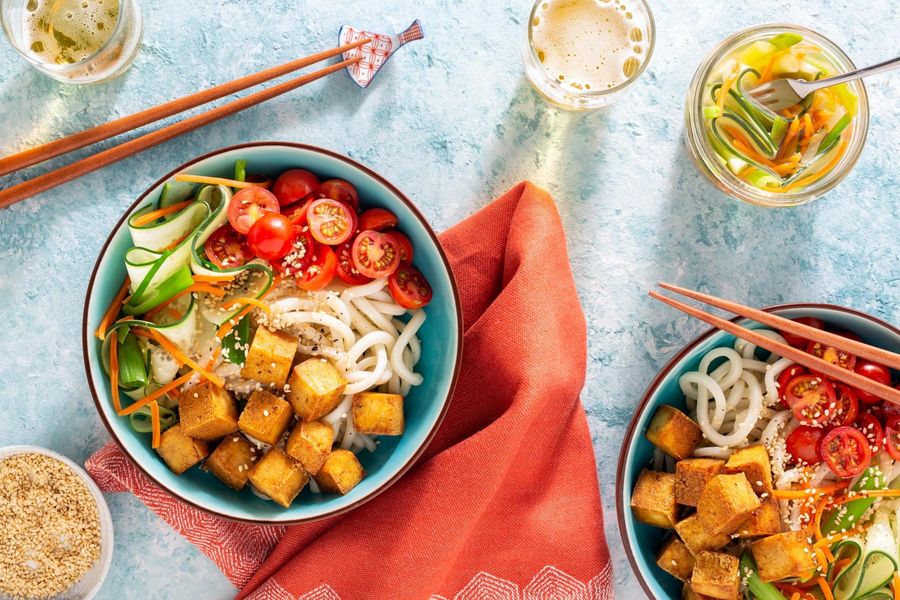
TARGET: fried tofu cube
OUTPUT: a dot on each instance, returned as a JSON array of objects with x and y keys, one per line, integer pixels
[
  {"x": 378, "y": 414},
  {"x": 783, "y": 555},
  {"x": 716, "y": 575},
  {"x": 726, "y": 502},
  {"x": 310, "y": 444},
  {"x": 676, "y": 559},
  {"x": 687, "y": 593},
  {"x": 752, "y": 461},
  {"x": 181, "y": 452},
  {"x": 278, "y": 476},
  {"x": 265, "y": 417},
  {"x": 207, "y": 412},
  {"x": 691, "y": 476},
  {"x": 653, "y": 499},
  {"x": 316, "y": 388},
  {"x": 765, "y": 520},
  {"x": 270, "y": 357},
  {"x": 340, "y": 473},
  {"x": 698, "y": 538},
  {"x": 674, "y": 432},
  {"x": 231, "y": 461}
]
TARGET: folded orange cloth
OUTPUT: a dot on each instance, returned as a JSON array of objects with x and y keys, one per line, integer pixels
[{"x": 504, "y": 503}]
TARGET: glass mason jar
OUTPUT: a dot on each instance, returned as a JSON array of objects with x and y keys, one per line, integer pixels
[
  {"x": 79, "y": 49},
  {"x": 711, "y": 165}
]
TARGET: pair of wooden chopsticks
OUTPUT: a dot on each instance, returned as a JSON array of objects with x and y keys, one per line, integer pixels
[
  {"x": 877, "y": 355},
  {"x": 44, "y": 182}
]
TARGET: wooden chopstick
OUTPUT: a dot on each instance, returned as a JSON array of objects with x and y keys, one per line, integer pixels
[
  {"x": 878, "y": 355},
  {"x": 32, "y": 156},
  {"x": 807, "y": 360},
  {"x": 44, "y": 182}
]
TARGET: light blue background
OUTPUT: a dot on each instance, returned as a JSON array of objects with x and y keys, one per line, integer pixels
[{"x": 452, "y": 123}]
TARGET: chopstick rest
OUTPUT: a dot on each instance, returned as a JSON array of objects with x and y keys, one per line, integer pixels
[{"x": 375, "y": 54}]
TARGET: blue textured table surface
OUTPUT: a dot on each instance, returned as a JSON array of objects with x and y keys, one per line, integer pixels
[{"x": 452, "y": 122}]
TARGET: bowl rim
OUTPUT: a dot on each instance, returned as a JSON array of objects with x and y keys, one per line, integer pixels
[
  {"x": 86, "y": 336},
  {"x": 654, "y": 385}
]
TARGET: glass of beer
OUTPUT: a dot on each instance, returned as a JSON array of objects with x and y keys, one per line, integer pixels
[
  {"x": 582, "y": 54},
  {"x": 74, "y": 41}
]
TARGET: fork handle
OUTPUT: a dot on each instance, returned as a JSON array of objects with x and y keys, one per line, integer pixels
[{"x": 881, "y": 67}]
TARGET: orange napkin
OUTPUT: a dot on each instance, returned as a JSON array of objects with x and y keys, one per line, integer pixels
[{"x": 504, "y": 503}]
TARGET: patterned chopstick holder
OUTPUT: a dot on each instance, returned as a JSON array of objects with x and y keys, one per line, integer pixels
[{"x": 377, "y": 52}]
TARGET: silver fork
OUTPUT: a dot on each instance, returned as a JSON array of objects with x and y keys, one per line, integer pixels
[{"x": 782, "y": 93}]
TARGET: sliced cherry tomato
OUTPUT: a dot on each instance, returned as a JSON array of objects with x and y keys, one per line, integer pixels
[
  {"x": 846, "y": 405},
  {"x": 812, "y": 399},
  {"x": 797, "y": 341},
  {"x": 409, "y": 288},
  {"x": 803, "y": 444},
  {"x": 293, "y": 185},
  {"x": 300, "y": 255},
  {"x": 785, "y": 377},
  {"x": 226, "y": 248},
  {"x": 331, "y": 222},
  {"x": 377, "y": 219},
  {"x": 340, "y": 190},
  {"x": 260, "y": 181},
  {"x": 405, "y": 246},
  {"x": 835, "y": 356},
  {"x": 375, "y": 254},
  {"x": 870, "y": 427},
  {"x": 248, "y": 205},
  {"x": 875, "y": 372},
  {"x": 320, "y": 273},
  {"x": 846, "y": 452},
  {"x": 892, "y": 437},
  {"x": 345, "y": 269},
  {"x": 272, "y": 236},
  {"x": 297, "y": 212}
]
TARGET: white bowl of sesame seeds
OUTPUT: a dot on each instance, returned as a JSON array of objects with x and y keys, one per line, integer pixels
[{"x": 56, "y": 539}]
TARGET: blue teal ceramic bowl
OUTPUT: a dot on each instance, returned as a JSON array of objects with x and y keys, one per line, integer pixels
[
  {"x": 642, "y": 542},
  {"x": 426, "y": 404}
]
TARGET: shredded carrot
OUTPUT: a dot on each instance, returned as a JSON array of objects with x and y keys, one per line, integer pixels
[
  {"x": 176, "y": 352},
  {"x": 213, "y": 180},
  {"x": 154, "y": 396},
  {"x": 113, "y": 309},
  {"x": 817, "y": 523},
  {"x": 821, "y": 560},
  {"x": 895, "y": 585},
  {"x": 153, "y": 215},
  {"x": 826, "y": 589},
  {"x": 836, "y": 537},
  {"x": 726, "y": 86},
  {"x": 114, "y": 369},
  {"x": 795, "y": 596},
  {"x": 197, "y": 287},
  {"x": 213, "y": 278},
  {"x": 807, "y": 126},
  {"x": 801, "y": 494},
  {"x": 251, "y": 301},
  {"x": 822, "y": 172},
  {"x": 226, "y": 328},
  {"x": 154, "y": 423},
  {"x": 766, "y": 74},
  {"x": 828, "y": 555}
]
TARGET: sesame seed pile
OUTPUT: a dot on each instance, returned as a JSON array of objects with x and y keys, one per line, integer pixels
[{"x": 49, "y": 527}]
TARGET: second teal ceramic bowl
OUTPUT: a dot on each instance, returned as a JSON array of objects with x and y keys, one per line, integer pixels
[
  {"x": 426, "y": 404},
  {"x": 642, "y": 542}
]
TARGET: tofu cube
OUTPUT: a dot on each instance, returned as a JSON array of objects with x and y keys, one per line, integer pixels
[
  {"x": 765, "y": 520},
  {"x": 270, "y": 357},
  {"x": 378, "y": 414},
  {"x": 340, "y": 473},
  {"x": 726, "y": 502},
  {"x": 676, "y": 559},
  {"x": 653, "y": 499},
  {"x": 231, "y": 461},
  {"x": 316, "y": 388},
  {"x": 207, "y": 412},
  {"x": 752, "y": 461},
  {"x": 716, "y": 575},
  {"x": 265, "y": 417},
  {"x": 691, "y": 476},
  {"x": 180, "y": 451},
  {"x": 687, "y": 593},
  {"x": 783, "y": 555},
  {"x": 278, "y": 476},
  {"x": 310, "y": 444},
  {"x": 698, "y": 538},
  {"x": 674, "y": 432}
]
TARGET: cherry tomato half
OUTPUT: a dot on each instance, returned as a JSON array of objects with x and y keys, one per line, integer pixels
[
  {"x": 340, "y": 190},
  {"x": 320, "y": 273},
  {"x": 785, "y": 377},
  {"x": 846, "y": 405},
  {"x": 812, "y": 399},
  {"x": 345, "y": 269},
  {"x": 846, "y": 452},
  {"x": 297, "y": 212},
  {"x": 409, "y": 288},
  {"x": 293, "y": 185},
  {"x": 803, "y": 444},
  {"x": 248, "y": 205},
  {"x": 377, "y": 219},
  {"x": 892, "y": 437},
  {"x": 870, "y": 427},
  {"x": 875, "y": 372},
  {"x": 299, "y": 256},
  {"x": 226, "y": 248},
  {"x": 797, "y": 341},
  {"x": 404, "y": 245},
  {"x": 835, "y": 356},
  {"x": 375, "y": 254},
  {"x": 272, "y": 236},
  {"x": 331, "y": 222}
]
